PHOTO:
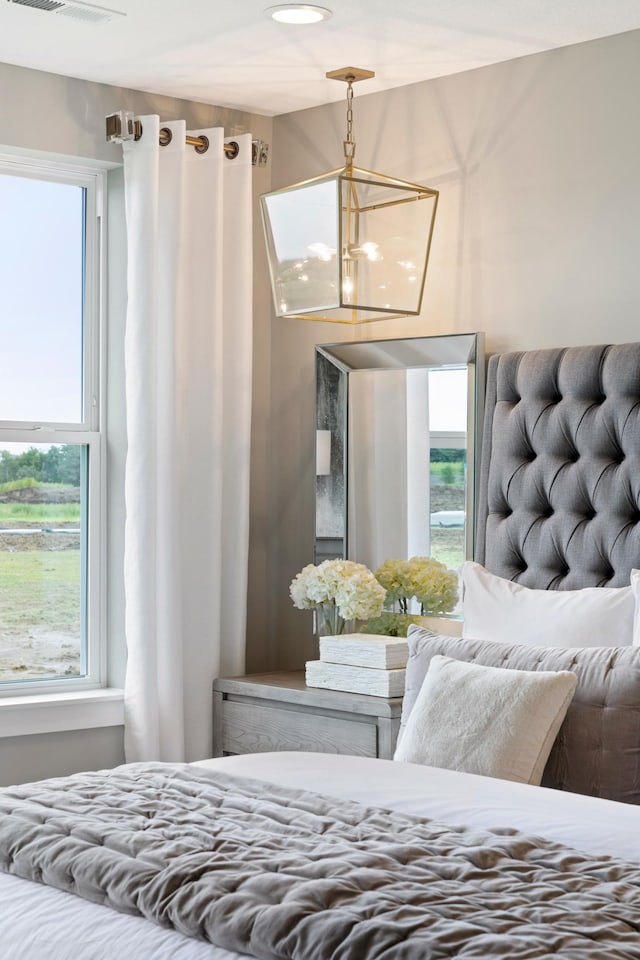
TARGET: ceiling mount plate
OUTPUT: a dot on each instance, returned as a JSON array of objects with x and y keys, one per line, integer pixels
[{"x": 350, "y": 74}]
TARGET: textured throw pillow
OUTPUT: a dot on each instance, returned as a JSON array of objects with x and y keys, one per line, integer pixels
[
  {"x": 497, "y": 609},
  {"x": 597, "y": 751},
  {"x": 635, "y": 587},
  {"x": 486, "y": 720}
]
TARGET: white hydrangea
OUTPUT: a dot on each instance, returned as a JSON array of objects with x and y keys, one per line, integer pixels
[{"x": 350, "y": 587}]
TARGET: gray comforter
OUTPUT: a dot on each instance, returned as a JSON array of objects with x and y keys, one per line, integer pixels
[{"x": 280, "y": 873}]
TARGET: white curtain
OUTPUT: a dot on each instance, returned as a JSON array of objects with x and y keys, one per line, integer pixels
[{"x": 188, "y": 350}]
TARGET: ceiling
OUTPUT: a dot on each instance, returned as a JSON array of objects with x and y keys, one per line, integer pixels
[{"x": 228, "y": 53}]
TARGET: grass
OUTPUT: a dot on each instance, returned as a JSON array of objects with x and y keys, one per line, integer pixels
[
  {"x": 447, "y": 546},
  {"x": 49, "y": 514},
  {"x": 9, "y": 485},
  {"x": 40, "y": 588},
  {"x": 447, "y": 473},
  {"x": 17, "y": 484}
]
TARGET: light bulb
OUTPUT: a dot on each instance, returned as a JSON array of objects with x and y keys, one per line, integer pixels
[
  {"x": 371, "y": 251},
  {"x": 298, "y": 13},
  {"x": 322, "y": 251},
  {"x": 368, "y": 250}
]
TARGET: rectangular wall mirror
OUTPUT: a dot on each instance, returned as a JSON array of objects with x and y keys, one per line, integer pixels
[{"x": 397, "y": 428}]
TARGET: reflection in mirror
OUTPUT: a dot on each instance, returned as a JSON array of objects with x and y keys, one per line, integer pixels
[
  {"x": 396, "y": 428},
  {"x": 331, "y": 427}
]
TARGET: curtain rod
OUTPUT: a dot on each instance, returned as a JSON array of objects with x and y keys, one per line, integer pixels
[{"x": 122, "y": 126}]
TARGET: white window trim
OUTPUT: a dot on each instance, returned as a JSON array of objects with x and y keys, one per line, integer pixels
[
  {"x": 448, "y": 439},
  {"x": 29, "y": 714},
  {"x": 47, "y": 702}
]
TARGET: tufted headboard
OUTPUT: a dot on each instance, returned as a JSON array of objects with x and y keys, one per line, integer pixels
[{"x": 559, "y": 490}]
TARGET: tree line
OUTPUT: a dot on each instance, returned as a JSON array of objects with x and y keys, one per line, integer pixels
[
  {"x": 57, "y": 464},
  {"x": 448, "y": 454}
]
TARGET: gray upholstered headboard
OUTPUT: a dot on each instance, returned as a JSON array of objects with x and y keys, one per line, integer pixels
[{"x": 559, "y": 493}]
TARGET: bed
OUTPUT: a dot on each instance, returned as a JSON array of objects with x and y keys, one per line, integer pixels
[{"x": 513, "y": 869}]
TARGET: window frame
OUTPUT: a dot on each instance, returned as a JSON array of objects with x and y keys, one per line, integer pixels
[{"x": 90, "y": 429}]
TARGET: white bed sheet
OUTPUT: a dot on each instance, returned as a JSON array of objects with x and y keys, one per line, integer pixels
[
  {"x": 39, "y": 923},
  {"x": 586, "y": 823}
]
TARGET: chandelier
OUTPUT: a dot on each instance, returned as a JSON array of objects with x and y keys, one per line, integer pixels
[{"x": 351, "y": 245}]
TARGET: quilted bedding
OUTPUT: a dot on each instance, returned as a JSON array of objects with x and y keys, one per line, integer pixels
[{"x": 281, "y": 873}]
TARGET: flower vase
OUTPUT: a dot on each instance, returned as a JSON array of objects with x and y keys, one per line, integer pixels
[{"x": 327, "y": 622}]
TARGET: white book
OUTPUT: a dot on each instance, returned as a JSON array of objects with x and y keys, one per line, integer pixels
[
  {"x": 354, "y": 679},
  {"x": 365, "y": 650}
]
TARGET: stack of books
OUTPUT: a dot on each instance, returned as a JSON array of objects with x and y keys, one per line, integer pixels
[{"x": 360, "y": 663}]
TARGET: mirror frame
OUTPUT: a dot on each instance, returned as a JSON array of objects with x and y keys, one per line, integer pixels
[{"x": 346, "y": 357}]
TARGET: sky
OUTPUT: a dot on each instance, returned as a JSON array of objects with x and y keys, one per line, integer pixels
[
  {"x": 41, "y": 268},
  {"x": 448, "y": 400}
]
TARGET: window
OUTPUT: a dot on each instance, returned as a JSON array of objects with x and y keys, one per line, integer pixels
[
  {"x": 448, "y": 463},
  {"x": 51, "y": 469}
]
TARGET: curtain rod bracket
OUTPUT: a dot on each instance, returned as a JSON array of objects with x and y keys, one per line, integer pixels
[
  {"x": 259, "y": 153},
  {"x": 123, "y": 126}
]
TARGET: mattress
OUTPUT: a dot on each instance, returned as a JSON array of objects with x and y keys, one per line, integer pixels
[{"x": 39, "y": 923}]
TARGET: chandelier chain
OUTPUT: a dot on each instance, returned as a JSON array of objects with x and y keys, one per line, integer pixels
[
  {"x": 350, "y": 112},
  {"x": 349, "y": 143}
]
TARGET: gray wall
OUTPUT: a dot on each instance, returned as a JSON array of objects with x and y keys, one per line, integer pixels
[
  {"x": 536, "y": 239},
  {"x": 42, "y": 112},
  {"x": 56, "y": 754}
]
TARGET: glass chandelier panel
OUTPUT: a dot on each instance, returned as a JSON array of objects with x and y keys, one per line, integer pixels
[{"x": 302, "y": 232}]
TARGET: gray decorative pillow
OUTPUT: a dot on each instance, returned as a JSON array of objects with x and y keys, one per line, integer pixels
[{"x": 597, "y": 751}]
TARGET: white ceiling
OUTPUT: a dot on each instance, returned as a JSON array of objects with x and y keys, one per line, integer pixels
[{"x": 226, "y": 52}]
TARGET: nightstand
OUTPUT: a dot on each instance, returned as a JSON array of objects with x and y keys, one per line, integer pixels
[{"x": 277, "y": 711}]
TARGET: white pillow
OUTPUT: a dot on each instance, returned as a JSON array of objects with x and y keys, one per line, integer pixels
[
  {"x": 497, "y": 609},
  {"x": 486, "y": 720}
]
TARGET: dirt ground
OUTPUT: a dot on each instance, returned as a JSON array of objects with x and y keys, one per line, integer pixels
[
  {"x": 446, "y": 496},
  {"x": 39, "y": 540},
  {"x": 38, "y": 652}
]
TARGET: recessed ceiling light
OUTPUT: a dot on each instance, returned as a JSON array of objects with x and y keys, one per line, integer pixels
[{"x": 298, "y": 13}]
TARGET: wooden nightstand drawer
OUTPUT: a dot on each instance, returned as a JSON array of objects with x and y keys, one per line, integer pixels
[
  {"x": 251, "y": 728},
  {"x": 277, "y": 711}
]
